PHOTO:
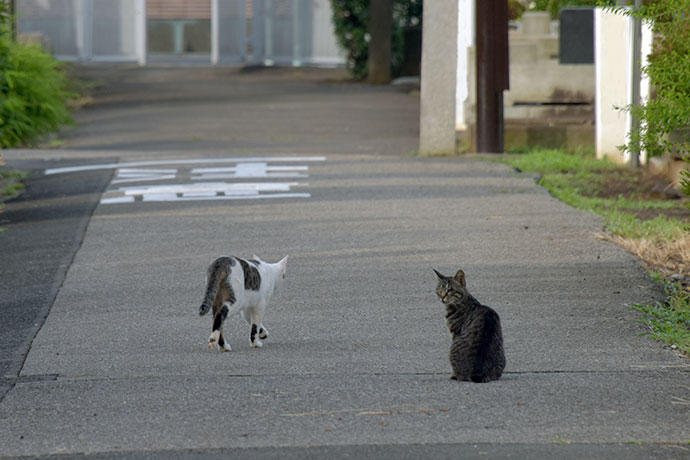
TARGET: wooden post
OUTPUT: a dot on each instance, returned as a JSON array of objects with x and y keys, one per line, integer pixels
[{"x": 492, "y": 72}]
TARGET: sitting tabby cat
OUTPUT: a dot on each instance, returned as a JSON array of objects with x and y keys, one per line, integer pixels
[
  {"x": 245, "y": 286},
  {"x": 477, "y": 350}
]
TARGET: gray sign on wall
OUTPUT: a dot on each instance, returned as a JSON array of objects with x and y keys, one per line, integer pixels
[{"x": 576, "y": 40}]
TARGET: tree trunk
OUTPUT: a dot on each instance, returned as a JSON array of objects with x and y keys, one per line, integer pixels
[{"x": 380, "y": 26}]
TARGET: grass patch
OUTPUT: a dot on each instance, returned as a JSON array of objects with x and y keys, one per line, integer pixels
[
  {"x": 653, "y": 227},
  {"x": 669, "y": 321},
  {"x": 11, "y": 183},
  {"x": 544, "y": 161},
  {"x": 584, "y": 182}
]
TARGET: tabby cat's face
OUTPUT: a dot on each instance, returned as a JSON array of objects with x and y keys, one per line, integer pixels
[{"x": 448, "y": 293}]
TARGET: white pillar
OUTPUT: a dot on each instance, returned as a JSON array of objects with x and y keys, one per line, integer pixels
[
  {"x": 465, "y": 40},
  {"x": 613, "y": 81},
  {"x": 215, "y": 51},
  {"x": 438, "y": 80},
  {"x": 296, "y": 27},
  {"x": 140, "y": 31},
  {"x": 84, "y": 26},
  {"x": 268, "y": 32}
]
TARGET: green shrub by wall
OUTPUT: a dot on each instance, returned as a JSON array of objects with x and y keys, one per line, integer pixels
[{"x": 32, "y": 90}]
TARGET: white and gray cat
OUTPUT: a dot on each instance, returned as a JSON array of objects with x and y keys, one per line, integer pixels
[
  {"x": 476, "y": 353},
  {"x": 245, "y": 286}
]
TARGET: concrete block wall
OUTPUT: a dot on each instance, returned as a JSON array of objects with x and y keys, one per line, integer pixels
[{"x": 548, "y": 104}]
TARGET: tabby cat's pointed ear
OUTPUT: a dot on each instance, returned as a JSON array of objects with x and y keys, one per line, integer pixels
[
  {"x": 440, "y": 276},
  {"x": 460, "y": 277}
]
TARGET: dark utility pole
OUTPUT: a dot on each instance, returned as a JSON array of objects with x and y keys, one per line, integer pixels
[
  {"x": 636, "y": 76},
  {"x": 492, "y": 72}
]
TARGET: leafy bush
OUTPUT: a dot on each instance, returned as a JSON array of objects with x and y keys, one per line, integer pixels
[
  {"x": 552, "y": 6},
  {"x": 32, "y": 90},
  {"x": 350, "y": 19},
  {"x": 665, "y": 118}
]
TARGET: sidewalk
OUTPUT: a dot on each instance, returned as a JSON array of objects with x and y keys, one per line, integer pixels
[{"x": 357, "y": 357}]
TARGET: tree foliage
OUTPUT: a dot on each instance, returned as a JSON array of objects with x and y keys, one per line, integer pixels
[
  {"x": 32, "y": 90},
  {"x": 350, "y": 20},
  {"x": 554, "y": 6},
  {"x": 665, "y": 118}
]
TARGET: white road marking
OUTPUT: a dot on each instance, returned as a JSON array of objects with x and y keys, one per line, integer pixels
[
  {"x": 138, "y": 164},
  {"x": 203, "y": 183},
  {"x": 170, "y": 197},
  {"x": 249, "y": 170},
  {"x": 215, "y": 187},
  {"x": 142, "y": 174},
  {"x": 118, "y": 200}
]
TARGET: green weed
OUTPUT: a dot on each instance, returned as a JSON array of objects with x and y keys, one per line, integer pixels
[{"x": 669, "y": 321}]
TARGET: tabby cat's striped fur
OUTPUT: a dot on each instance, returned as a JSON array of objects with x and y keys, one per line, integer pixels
[{"x": 476, "y": 353}]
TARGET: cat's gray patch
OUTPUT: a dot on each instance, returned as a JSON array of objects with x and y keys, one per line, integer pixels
[
  {"x": 252, "y": 278},
  {"x": 218, "y": 274}
]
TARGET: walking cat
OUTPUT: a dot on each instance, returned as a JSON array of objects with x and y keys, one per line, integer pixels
[
  {"x": 477, "y": 350},
  {"x": 243, "y": 286}
]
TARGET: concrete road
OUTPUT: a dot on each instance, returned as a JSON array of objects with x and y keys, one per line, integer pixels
[{"x": 356, "y": 365}]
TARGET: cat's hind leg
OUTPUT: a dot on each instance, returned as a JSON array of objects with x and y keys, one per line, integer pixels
[
  {"x": 216, "y": 331},
  {"x": 222, "y": 344},
  {"x": 256, "y": 315},
  {"x": 263, "y": 333}
]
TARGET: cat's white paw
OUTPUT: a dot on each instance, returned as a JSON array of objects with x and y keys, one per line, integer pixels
[
  {"x": 213, "y": 341},
  {"x": 257, "y": 344},
  {"x": 226, "y": 347},
  {"x": 263, "y": 334}
]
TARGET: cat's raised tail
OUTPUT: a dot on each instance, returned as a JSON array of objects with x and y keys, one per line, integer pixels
[{"x": 216, "y": 275}]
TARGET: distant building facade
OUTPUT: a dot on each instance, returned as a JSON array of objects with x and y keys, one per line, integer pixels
[{"x": 281, "y": 32}]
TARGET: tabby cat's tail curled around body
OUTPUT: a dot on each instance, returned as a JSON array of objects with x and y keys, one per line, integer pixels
[{"x": 214, "y": 279}]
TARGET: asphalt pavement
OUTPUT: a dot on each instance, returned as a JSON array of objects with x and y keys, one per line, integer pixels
[{"x": 115, "y": 364}]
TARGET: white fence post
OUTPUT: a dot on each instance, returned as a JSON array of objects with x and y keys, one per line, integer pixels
[
  {"x": 215, "y": 52},
  {"x": 140, "y": 31}
]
